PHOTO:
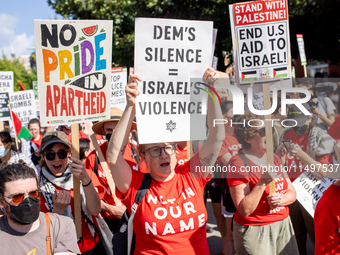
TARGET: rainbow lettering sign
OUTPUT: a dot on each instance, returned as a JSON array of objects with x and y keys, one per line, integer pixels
[{"x": 74, "y": 70}]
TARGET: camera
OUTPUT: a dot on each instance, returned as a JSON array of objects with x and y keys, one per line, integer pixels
[{"x": 312, "y": 105}]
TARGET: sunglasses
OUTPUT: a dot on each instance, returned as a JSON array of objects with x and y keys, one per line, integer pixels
[
  {"x": 262, "y": 131},
  {"x": 62, "y": 154},
  {"x": 18, "y": 198},
  {"x": 156, "y": 151}
]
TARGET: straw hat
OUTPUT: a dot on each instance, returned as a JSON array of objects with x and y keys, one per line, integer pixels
[{"x": 116, "y": 114}]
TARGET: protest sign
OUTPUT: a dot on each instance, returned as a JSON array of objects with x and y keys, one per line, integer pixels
[
  {"x": 22, "y": 103},
  {"x": 4, "y": 110},
  {"x": 118, "y": 84},
  {"x": 168, "y": 53},
  {"x": 6, "y": 81},
  {"x": 73, "y": 63},
  {"x": 261, "y": 41},
  {"x": 301, "y": 46},
  {"x": 309, "y": 190},
  {"x": 36, "y": 97}
]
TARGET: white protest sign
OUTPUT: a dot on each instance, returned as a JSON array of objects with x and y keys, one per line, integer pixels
[
  {"x": 309, "y": 190},
  {"x": 301, "y": 46},
  {"x": 168, "y": 53},
  {"x": 4, "y": 110},
  {"x": 22, "y": 103},
  {"x": 74, "y": 70},
  {"x": 36, "y": 97},
  {"x": 118, "y": 84},
  {"x": 6, "y": 81},
  {"x": 261, "y": 41}
]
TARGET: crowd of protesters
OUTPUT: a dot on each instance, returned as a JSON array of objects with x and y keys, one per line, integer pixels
[{"x": 172, "y": 216}]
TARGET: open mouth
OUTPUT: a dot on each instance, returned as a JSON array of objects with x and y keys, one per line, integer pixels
[
  {"x": 166, "y": 164},
  {"x": 57, "y": 167}
]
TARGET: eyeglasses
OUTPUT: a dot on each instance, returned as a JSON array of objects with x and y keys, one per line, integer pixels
[
  {"x": 62, "y": 154},
  {"x": 262, "y": 131},
  {"x": 18, "y": 198},
  {"x": 156, "y": 151}
]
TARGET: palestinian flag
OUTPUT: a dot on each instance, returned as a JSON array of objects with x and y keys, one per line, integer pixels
[
  {"x": 280, "y": 72},
  {"x": 247, "y": 76},
  {"x": 20, "y": 131}
]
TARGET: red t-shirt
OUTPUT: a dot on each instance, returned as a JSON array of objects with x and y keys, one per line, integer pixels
[
  {"x": 100, "y": 139},
  {"x": 89, "y": 165},
  {"x": 181, "y": 155},
  {"x": 262, "y": 215},
  {"x": 232, "y": 144},
  {"x": 333, "y": 130},
  {"x": 295, "y": 165},
  {"x": 37, "y": 142},
  {"x": 81, "y": 135},
  {"x": 87, "y": 242},
  {"x": 327, "y": 222},
  {"x": 171, "y": 217}
]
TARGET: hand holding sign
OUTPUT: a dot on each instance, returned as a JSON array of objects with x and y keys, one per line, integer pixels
[{"x": 132, "y": 90}]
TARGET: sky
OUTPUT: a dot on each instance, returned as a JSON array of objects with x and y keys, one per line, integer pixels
[{"x": 16, "y": 25}]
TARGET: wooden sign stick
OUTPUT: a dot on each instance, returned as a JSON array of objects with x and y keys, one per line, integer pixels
[
  {"x": 189, "y": 150},
  {"x": 2, "y": 127},
  {"x": 103, "y": 163},
  {"x": 76, "y": 182},
  {"x": 269, "y": 134}
]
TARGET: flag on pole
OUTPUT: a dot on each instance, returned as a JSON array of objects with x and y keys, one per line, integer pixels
[
  {"x": 20, "y": 131},
  {"x": 21, "y": 86}
]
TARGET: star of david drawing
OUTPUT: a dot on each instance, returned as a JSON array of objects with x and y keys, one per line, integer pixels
[{"x": 171, "y": 126}]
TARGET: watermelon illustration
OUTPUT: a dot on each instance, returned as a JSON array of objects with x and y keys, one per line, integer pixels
[{"x": 90, "y": 31}]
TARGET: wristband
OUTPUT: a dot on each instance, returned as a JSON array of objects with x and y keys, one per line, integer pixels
[{"x": 87, "y": 184}]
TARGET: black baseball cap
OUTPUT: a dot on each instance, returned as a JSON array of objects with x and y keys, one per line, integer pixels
[
  {"x": 54, "y": 137},
  {"x": 295, "y": 113}
]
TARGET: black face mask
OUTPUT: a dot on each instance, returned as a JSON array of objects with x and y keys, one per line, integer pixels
[
  {"x": 300, "y": 130},
  {"x": 26, "y": 212},
  {"x": 108, "y": 137}
]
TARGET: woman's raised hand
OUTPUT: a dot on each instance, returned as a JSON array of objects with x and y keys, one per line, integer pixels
[{"x": 131, "y": 90}]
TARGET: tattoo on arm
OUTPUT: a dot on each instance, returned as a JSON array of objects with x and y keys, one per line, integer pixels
[
  {"x": 332, "y": 115},
  {"x": 206, "y": 161},
  {"x": 123, "y": 150}
]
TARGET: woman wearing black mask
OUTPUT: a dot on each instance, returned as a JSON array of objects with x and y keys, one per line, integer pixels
[{"x": 302, "y": 148}]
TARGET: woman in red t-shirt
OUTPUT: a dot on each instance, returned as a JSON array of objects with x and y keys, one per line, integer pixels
[
  {"x": 257, "y": 228},
  {"x": 56, "y": 183},
  {"x": 171, "y": 217}
]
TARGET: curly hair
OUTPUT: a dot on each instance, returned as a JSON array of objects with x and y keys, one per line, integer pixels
[{"x": 245, "y": 132}]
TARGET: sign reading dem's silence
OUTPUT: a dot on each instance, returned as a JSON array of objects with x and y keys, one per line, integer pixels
[
  {"x": 74, "y": 63},
  {"x": 168, "y": 53}
]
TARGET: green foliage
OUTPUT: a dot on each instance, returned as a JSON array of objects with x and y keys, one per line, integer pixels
[
  {"x": 317, "y": 20},
  {"x": 20, "y": 73}
]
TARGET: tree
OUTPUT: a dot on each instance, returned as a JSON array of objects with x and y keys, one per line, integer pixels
[
  {"x": 317, "y": 20},
  {"x": 20, "y": 73}
]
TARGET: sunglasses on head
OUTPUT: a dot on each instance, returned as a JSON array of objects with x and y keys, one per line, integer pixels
[
  {"x": 262, "y": 131},
  {"x": 62, "y": 154},
  {"x": 18, "y": 198}
]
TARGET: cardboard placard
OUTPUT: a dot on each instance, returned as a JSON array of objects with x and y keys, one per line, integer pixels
[
  {"x": 6, "y": 81},
  {"x": 4, "y": 110},
  {"x": 261, "y": 41},
  {"x": 118, "y": 84},
  {"x": 168, "y": 53},
  {"x": 74, "y": 70},
  {"x": 309, "y": 190}
]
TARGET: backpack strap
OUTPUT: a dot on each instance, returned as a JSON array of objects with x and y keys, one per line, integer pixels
[
  {"x": 48, "y": 236},
  {"x": 243, "y": 157},
  {"x": 134, "y": 153},
  {"x": 96, "y": 163},
  {"x": 144, "y": 187}
]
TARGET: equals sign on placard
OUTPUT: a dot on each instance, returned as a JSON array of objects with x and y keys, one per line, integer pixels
[{"x": 173, "y": 72}]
